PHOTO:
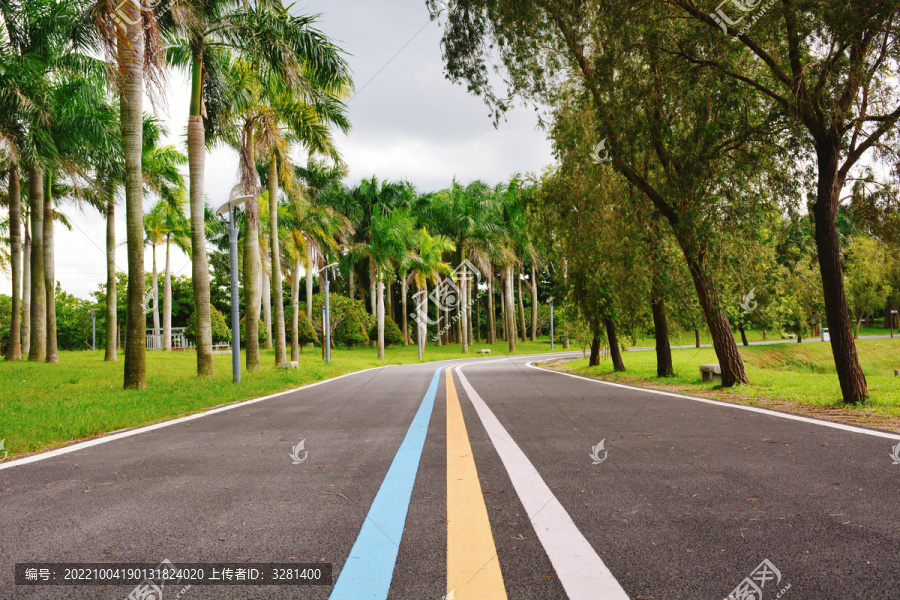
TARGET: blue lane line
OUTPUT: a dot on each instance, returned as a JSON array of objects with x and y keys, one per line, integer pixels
[{"x": 369, "y": 569}]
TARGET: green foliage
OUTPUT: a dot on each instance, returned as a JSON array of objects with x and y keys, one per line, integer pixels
[
  {"x": 263, "y": 334},
  {"x": 351, "y": 331},
  {"x": 221, "y": 332},
  {"x": 304, "y": 327},
  {"x": 5, "y": 316},
  {"x": 392, "y": 334}
]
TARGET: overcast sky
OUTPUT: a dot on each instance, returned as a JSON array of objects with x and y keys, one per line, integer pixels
[{"x": 408, "y": 121}]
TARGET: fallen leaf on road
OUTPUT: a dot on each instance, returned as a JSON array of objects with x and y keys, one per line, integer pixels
[{"x": 111, "y": 553}]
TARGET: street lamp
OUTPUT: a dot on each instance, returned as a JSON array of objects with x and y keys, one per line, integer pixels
[
  {"x": 93, "y": 312},
  {"x": 550, "y": 302},
  {"x": 327, "y": 326},
  {"x": 237, "y": 198}
]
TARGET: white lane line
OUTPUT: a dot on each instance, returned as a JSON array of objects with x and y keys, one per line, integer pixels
[
  {"x": 581, "y": 571},
  {"x": 117, "y": 436},
  {"x": 771, "y": 413}
]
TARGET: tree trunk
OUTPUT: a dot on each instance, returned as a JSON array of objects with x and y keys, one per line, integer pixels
[
  {"x": 14, "y": 351},
  {"x": 131, "y": 56},
  {"x": 510, "y": 311},
  {"x": 470, "y": 312},
  {"x": 743, "y": 333},
  {"x": 661, "y": 333},
  {"x": 266, "y": 300},
  {"x": 252, "y": 281},
  {"x": 476, "y": 318},
  {"x": 534, "y": 303},
  {"x": 439, "y": 321},
  {"x": 373, "y": 277},
  {"x": 52, "y": 354},
  {"x": 277, "y": 286},
  {"x": 463, "y": 302},
  {"x": 389, "y": 298},
  {"x": 350, "y": 281},
  {"x": 730, "y": 361},
  {"x": 38, "y": 346},
  {"x": 154, "y": 282},
  {"x": 403, "y": 293},
  {"x": 380, "y": 312},
  {"x": 295, "y": 311},
  {"x": 504, "y": 325},
  {"x": 614, "y": 350},
  {"x": 594, "y": 361},
  {"x": 697, "y": 338},
  {"x": 521, "y": 308},
  {"x": 310, "y": 274},
  {"x": 111, "y": 291},
  {"x": 853, "y": 382},
  {"x": 26, "y": 289},
  {"x": 491, "y": 312},
  {"x": 196, "y": 142},
  {"x": 167, "y": 299}
]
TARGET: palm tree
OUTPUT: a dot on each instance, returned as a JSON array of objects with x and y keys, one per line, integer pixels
[
  {"x": 177, "y": 230},
  {"x": 202, "y": 33},
  {"x": 427, "y": 264},
  {"x": 392, "y": 241}
]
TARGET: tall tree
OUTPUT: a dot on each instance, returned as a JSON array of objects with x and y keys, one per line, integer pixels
[{"x": 269, "y": 36}]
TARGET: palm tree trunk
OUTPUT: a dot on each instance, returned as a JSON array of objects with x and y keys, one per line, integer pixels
[
  {"x": 534, "y": 303},
  {"x": 510, "y": 311},
  {"x": 350, "y": 290},
  {"x": 38, "y": 347},
  {"x": 196, "y": 142},
  {"x": 521, "y": 308},
  {"x": 111, "y": 299},
  {"x": 470, "y": 312},
  {"x": 295, "y": 311},
  {"x": 26, "y": 289},
  {"x": 309, "y": 291},
  {"x": 389, "y": 298},
  {"x": 252, "y": 294},
  {"x": 14, "y": 352},
  {"x": 403, "y": 292},
  {"x": 491, "y": 316},
  {"x": 52, "y": 355},
  {"x": 280, "y": 352},
  {"x": 167, "y": 299},
  {"x": 266, "y": 299},
  {"x": 504, "y": 329},
  {"x": 372, "y": 283},
  {"x": 464, "y": 306},
  {"x": 439, "y": 321},
  {"x": 421, "y": 328},
  {"x": 131, "y": 72},
  {"x": 380, "y": 314},
  {"x": 155, "y": 283}
]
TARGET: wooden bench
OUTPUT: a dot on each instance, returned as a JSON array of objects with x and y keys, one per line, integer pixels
[{"x": 710, "y": 373}]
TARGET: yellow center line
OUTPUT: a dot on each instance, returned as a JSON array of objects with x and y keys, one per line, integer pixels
[{"x": 473, "y": 570}]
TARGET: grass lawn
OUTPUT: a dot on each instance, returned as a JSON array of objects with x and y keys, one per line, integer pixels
[
  {"x": 791, "y": 376},
  {"x": 45, "y": 406},
  {"x": 687, "y": 338}
]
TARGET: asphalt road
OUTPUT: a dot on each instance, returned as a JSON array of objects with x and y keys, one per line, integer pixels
[{"x": 687, "y": 498}]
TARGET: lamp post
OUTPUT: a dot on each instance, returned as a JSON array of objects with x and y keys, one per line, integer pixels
[
  {"x": 550, "y": 302},
  {"x": 93, "y": 312},
  {"x": 236, "y": 200},
  {"x": 327, "y": 327}
]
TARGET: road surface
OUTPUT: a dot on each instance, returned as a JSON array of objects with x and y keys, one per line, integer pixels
[{"x": 484, "y": 480}]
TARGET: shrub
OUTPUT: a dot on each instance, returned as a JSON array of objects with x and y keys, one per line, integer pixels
[
  {"x": 392, "y": 333},
  {"x": 307, "y": 331},
  {"x": 220, "y": 330},
  {"x": 263, "y": 334}
]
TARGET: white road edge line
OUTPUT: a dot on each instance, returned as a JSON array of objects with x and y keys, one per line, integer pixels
[
  {"x": 580, "y": 569},
  {"x": 117, "y": 436},
  {"x": 772, "y": 413}
]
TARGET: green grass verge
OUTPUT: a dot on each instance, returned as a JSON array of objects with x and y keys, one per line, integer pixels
[
  {"x": 45, "y": 406},
  {"x": 789, "y": 372}
]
